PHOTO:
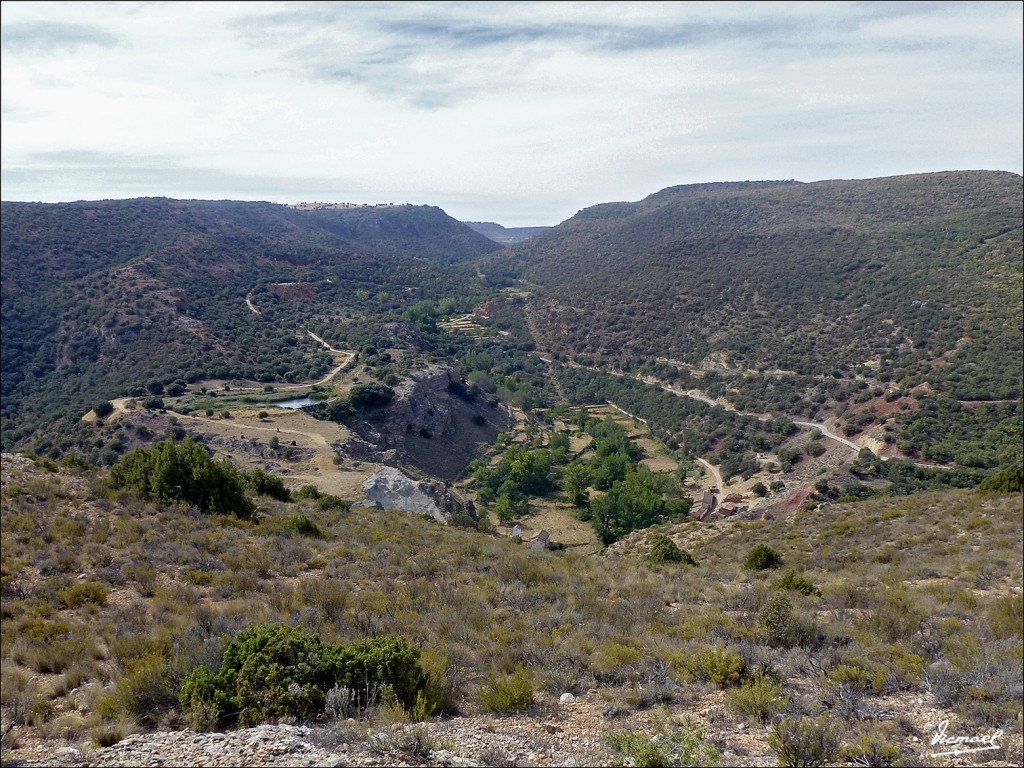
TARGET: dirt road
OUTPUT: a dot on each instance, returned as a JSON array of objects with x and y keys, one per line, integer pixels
[{"x": 714, "y": 473}]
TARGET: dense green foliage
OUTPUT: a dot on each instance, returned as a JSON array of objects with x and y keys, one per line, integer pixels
[
  {"x": 762, "y": 557},
  {"x": 265, "y": 484},
  {"x": 664, "y": 550},
  {"x": 273, "y": 671},
  {"x": 906, "y": 477},
  {"x": 364, "y": 397},
  {"x": 637, "y": 501},
  {"x": 506, "y": 694},
  {"x": 804, "y": 742},
  {"x": 1009, "y": 480},
  {"x": 521, "y": 473},
  {"x": 170, "y": 471},
  {"x": 632, "y": 496}
]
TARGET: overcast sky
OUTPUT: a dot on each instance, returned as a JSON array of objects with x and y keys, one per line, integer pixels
[{"x": 519, "y": 113}]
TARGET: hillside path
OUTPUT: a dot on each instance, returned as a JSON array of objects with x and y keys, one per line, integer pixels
[
  {"x": 714, "y": 473},
  {"x": 696, "y": 394},
  {"x": 350, "y": 354},
  {"x": 248, "y": 302}
]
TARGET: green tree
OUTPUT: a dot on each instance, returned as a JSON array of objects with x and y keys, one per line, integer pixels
[
  {"x": 170, "y": 471},
  {"x": 575, "y": 482}
]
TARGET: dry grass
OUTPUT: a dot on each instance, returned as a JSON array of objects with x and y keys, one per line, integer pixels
[{"x": 917, "y": 593}]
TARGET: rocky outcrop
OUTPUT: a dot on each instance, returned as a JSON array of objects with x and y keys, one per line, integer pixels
[
  {"x": 436, "y": 423},
  {"x": 391, "y": 488}
]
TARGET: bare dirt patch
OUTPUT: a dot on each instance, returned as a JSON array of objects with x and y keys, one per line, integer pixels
[{"x": 245, "y": 439}]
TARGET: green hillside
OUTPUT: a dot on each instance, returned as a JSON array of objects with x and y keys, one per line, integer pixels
[
  {"x": 99, "y": 298},
  {"x": 797, "y": 295}
]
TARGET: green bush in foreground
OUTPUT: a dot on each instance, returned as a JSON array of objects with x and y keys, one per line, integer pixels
[
  {"x": 804, "y": 742},
  {"x": 273, "y": 671},
  {"x": 1009, "y": 480},
  {"x": 510, "y": 693},
  {"x": 303, "y": 526},
  {"x": 794, "y": 581},
  {"x": 265, "y": 484},
  {"x": 171, "y": 471},
  {"x": 676, "y": 742},
  {"x": 758, "y": 698}
]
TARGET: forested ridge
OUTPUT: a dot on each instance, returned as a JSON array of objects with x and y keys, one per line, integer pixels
[
  {"x": 833, "y": 298},
  {"x": 101, "y": 297},
  {"x": 894, "y": 302},
  {"x": 911, "y": 278}
]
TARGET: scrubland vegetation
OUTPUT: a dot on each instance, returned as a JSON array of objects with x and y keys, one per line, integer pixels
[
  {"x": 121, "y": 613},
  {"x": 147, "y": 584}
]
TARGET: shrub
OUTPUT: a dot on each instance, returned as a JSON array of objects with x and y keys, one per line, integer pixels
[
  {"x": 148, "y": 689},
  {"x": 508, "y": 693},
  {"x": 1009, "y": 480},
  {"x": 761, "y": 558},
  {"x": 370, "y": 666},
  {"x": 615, "y": 663},
  {"x": 103, "y": 409},
  {"x": 83, "y": 592},
  {"x": 676, "y": 741},
  {"x": 814, "y": 449},
  {"x": 267, "y": 671},
  {"x": 794, "y": 581},
  {"x": 644, "y": 752},
  {"x": 804, "y": 742},
  {"x": 870, "y": 750},
  {"x": 719, "y": 666},
  {"x": 330, "y": 501},
  {"x": 303, "y": 526},
  {"x": 413, "y": 741},
  {"x": 758, "y": 698},
  {"x": 169, "y": 471},
  {"x": 365, "y": 397},
  {"x": 1005, "y": 617},
  {"x": 664, "y": 550},
  {"x": 775, "y": 619},
  {"x": 265, "y": 484},
  {"x": 308, "y": 492}
]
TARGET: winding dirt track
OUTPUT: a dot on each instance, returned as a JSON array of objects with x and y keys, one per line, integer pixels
[
  {"x": 696, "y": 394},
  {"x": 719, "y": 484}
]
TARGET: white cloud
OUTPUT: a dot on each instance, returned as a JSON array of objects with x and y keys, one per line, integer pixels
[{"x": 520, "y": 113}]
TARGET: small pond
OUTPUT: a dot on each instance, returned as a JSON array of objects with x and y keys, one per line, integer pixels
[{"x": 294, "y": 404}]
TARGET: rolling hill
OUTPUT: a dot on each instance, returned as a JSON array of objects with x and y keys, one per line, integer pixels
[
  {"x": 789, "y": 297},
  {"x": 102, "y": 297}
]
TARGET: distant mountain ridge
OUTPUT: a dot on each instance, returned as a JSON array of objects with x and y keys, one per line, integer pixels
[
  {"x": 888, "y": 273},
  {"x": 890, "y": 306},
  {"x": 504, "y": 235}
]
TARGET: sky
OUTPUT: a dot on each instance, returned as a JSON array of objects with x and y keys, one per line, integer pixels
[{"x": 519, "y": 113}]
